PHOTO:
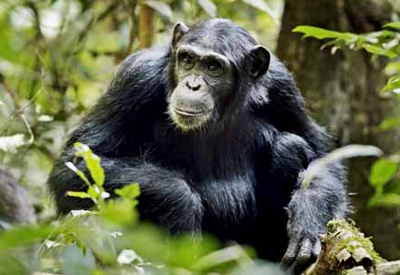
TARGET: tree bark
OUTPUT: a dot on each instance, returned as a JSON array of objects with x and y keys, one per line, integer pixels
[
  {"x": 14, "y": 203},
  {"x": 146, "y": 26},
  {"x": 342, "y": 91}
]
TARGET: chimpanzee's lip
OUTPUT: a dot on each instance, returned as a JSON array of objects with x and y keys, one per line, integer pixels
[{"x": 189, "y": 112}]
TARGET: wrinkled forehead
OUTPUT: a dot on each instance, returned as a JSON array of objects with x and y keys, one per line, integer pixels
[
  {"x": 225, "y": 39},
  {"x": 201, "y": 52}
]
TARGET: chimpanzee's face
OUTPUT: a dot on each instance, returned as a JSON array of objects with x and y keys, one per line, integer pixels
[
  {"x": 204, "y": 74},
  {"x": 204, "y": 79}
]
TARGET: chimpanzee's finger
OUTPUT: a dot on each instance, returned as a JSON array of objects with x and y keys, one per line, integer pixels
[
  {"x": 316, "y": 249},
  {"x": 303, "y": 258},
  {"x": 291, "y": 252}
]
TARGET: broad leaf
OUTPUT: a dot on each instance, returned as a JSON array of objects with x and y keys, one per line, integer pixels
[
  {"x": 394, "y": 25},
  {"x": 393, "y": 85},
  {"x": 382, "y": 171},
  {"x": 12, "y": 264},
  {"x": 95, "y": 169},
  {"x": 119, "y": 212},
  {"x": 130, "y": 192},
  {"x": 319, "y": 33},
  {"x": 23, "y": 236},
  {"x": 389, "y": 123},
  {"x": 379, "y": 50},
  {"x": 389, "y": 200},
  {"x": 92, "y": 162}
]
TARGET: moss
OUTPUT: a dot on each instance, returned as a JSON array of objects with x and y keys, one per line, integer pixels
[{"x": 356, "y": 240}]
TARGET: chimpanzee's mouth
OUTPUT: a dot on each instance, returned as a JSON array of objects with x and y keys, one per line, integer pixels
[
  {"x": 188, "y": 112},
  {"x": 188, "y": 119}
]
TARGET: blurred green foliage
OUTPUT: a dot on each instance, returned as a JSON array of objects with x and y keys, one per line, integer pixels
[{"x": 56, "y": 59}]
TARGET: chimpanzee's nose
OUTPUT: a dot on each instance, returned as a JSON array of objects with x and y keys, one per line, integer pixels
[{"x": 194, "y": 86}]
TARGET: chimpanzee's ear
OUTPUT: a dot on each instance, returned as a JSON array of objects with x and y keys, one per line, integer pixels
[
  {"x": 180, "y": 29},
  {"x": 260, "y": 58}
]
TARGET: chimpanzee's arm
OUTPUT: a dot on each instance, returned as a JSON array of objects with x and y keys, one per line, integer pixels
[
  {"x": 310, "y": 208},
  {"x": 309, "y": 211},
  {"x": 165, "y": 196}
]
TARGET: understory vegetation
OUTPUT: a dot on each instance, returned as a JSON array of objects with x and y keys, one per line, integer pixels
[{"x": 57, "y": 58}]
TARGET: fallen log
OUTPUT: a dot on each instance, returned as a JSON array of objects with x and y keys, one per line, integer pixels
[{"x": 345, "y": 250}]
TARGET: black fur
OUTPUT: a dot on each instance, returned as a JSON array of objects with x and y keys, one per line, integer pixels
[{"x": 237, "y": 177}]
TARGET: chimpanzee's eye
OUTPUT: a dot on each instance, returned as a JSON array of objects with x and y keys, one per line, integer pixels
[
  {"x": 186, "y": 60},
  {"x": 214, "y": 67}
]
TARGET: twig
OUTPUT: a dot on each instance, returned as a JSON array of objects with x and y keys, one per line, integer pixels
[{"x": 32, "y": 137}]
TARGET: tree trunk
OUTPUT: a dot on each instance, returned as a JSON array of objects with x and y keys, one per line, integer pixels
[
  {"x": 14, "y": 203},
  {"x": 146, "y": 26},
  {"x": 342, "y": 91}
]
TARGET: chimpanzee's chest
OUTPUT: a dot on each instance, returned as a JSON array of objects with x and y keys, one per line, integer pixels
[
  {"x": 202, "y": 156},
  {"x": 207, "y": 164}
]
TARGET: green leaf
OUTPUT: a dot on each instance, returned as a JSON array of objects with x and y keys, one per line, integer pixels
[
  {"x": 161, "y": 8},
  {"x": 12, "y": 264},
  {"x": 382, "y": 171},
  {"x": 23, "y": 236},
  {"x": 94, "y": 192},
  {"x": 82, "y": 195},
  {"x": 389, "y": 200},
  {"x": 393, "y": 85},
  {"x": 379, "y": 50},
  {"x": 209, "y": 7},
  {"x": 74, "y": 169},
  {"x": 262, "y": 5},
  {"x": 92, "y": 162},
  {"x": 234, "y": 253},
  {"x": 389, "y": 123},
  {"x": 120, "y": 212},
  {"x": 95, "y": 169},
  {"x": 319, "y": 33},
  {"x": 129, "y": 192},
  {"x": 393, "y": 68},
  {"x": 394, "y": 25}
]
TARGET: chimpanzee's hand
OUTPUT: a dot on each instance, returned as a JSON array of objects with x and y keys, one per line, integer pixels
[{"x": 301, "y": 252}]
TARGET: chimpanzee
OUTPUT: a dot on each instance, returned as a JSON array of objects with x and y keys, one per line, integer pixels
[{"x": 215, "y": 131}]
